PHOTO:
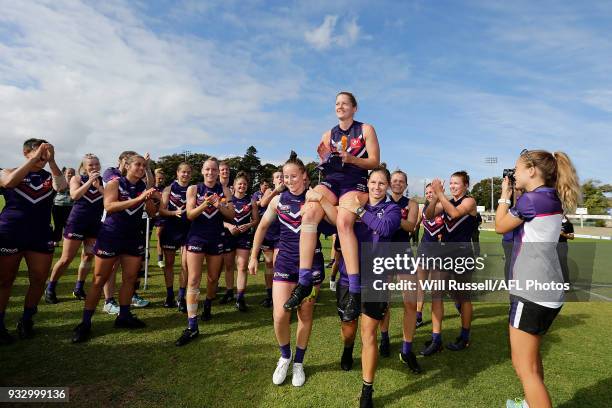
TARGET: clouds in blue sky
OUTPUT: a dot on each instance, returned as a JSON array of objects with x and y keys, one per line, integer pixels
[{"x": 444, "y": 83}]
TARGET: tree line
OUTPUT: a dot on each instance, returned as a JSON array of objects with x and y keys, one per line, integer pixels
[{"x": 593, "y": 191}]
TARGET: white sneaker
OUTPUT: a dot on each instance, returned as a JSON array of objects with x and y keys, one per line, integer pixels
[
  {"x": 298, "y": 375},
  {"x": 111, "y": 308},
  {"x": 281, "y": 370},
  {"x": 160, "y": 264},
  {"x": 137, "y": 301},
  {"x": 332, "y": 285}
]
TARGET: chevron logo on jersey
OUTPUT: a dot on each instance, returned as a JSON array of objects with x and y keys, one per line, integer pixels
[
  {"x": 92, "y": 195},
  {"x": 242, "y": 213},
  {"x": 124, "y": 196},
  {"x": 32, "y": 192},
  {"x": 291, "y": 220},
  {"x": 433, "y": 227},
  {"x": 210, "y": 210},
  {"x": 177, "y": 200},
  {"x": 451, "y": 224},
  {"x": 357, "y": 146}
]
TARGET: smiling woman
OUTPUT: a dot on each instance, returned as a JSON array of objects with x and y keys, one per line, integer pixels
[
  {"x": 25, "y": 230},
  {"x": 120, "y": 239},
  {"x": 347, "y": 152}
]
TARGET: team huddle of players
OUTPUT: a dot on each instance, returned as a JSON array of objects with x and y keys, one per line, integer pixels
[{"x": 220, "y": 224}]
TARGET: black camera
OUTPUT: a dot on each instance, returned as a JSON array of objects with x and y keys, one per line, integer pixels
[{"x": 510, "y": 174}]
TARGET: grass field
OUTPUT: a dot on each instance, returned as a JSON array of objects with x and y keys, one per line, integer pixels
[{"x": 232, "y": 362}]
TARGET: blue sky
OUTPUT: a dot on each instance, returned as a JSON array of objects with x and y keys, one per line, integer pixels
[{"x": 445, "y": 84}]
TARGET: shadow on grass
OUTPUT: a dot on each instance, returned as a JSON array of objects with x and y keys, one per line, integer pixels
[
  {"x": 597, "y": 395},
  {"x": 489, "y": 348}
]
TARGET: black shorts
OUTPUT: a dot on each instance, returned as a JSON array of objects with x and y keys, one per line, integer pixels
[
  {"x": 199, "y": 246},
  {"x": 531, "y": 317},
  {"x": 346, "y": 184},
  {"x": 26, "y": 240},
  {"x": 374, "y": 310},
  {"x": 461, "y": 294},
  {"x": 109, "y": 246},
  {"x": 240, "y": 241},
  {"x": 269, "y": 244}
]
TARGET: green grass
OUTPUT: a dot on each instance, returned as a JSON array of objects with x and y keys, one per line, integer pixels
[{"x": 232, "y": 362}]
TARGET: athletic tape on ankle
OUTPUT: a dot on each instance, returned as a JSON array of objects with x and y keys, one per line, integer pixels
[
  {"x": 308, "y": 227},
  {"x": 192, "y": 308},
  {"x": 193, "y": 291}
]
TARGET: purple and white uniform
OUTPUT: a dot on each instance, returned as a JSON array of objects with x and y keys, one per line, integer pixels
[
  {"x": 401, "y": 235},
  {"x": 121, "y": 232},
  {"x": 110, "y": 174},
  {"x": 286, "y": 266},
  {"x": 206, "y": 234},
  {"x": 25, "y": 220},
  {"x": 348, "y": 177},
  {"x": 270, "y": 241},
  {"x": 174, "y": 234},
  {"x": 243, "y": 208},
  {"x": 379, "y": 223},
  {"x": 433, "y": 232},
  {"x": 85, "y": 217},
  {"x": 459, "y": 231},
  {"x": 534, "y": 255}
]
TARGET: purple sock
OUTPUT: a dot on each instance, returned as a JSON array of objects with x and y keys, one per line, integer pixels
[
  {"x": 79, "y": 285},
  {"x": 51, "y": 285},
  {"x": 465, "y": 334},
  {"x": 305, "y": 278},
  {"x": 406, "y": 347},
  {"x": 160, "y": 258},
  {"x": 285, "y": 350},
  {"x": 269, "y": 291},
  {"x": 419, "y": 316},
  {"x": 299, "y": 355},
  {"x": 436, "y": 338},
  {"x": 240, "y": 294},
  {"x": 124, "y": 311},
  {"x": 170, "y": 291},
  {"x": 87, "y": 315},
  {"x": 207, "y": 302},
  {"x": 354, "y": 283},
  {"x": 2, "y": 326},
  {"x": 193, "y": 323},
  {"x": 182, "y": 292},
  {"x": 28, "y": 312},
  {"x": 458, "y": 307},
  {"x": 110, "y": 299},
  {"x": 384, "y": 335}
]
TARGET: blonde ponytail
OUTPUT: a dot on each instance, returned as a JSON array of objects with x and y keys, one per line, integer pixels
[{"x": 567, "y": 185}]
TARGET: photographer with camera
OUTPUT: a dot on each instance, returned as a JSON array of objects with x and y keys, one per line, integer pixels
[{"x": 550, "y": 184}]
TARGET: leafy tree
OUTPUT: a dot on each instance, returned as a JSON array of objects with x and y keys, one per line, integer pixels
[
  {"x": 593, "y": 197},
  {"x": 481, "y": 192}
]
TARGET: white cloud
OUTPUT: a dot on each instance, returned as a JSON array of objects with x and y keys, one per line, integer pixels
[
  {"x": 326, "y": 35},
  {"x": 600, "y": 98},
  {"x": 98, "y": 80}
]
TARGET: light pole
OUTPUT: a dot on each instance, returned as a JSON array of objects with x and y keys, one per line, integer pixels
[
  {"x": 186, "y": 153},
  {"x": 491, "y": 161}
]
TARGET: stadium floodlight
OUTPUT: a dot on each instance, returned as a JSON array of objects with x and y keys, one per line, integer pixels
[{"x": 492, "y": 161}]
